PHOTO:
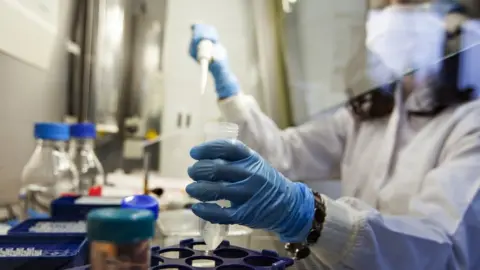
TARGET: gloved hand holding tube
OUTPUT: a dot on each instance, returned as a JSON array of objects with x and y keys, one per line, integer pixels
[
  {"x": 226, "y": 83},
  {"x": 261, "y": 197}
]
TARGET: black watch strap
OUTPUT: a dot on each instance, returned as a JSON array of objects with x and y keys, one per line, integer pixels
[{"x": 302, "y": 250}]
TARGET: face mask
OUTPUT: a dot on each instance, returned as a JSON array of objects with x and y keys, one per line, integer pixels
[{"x": 406, "y": 38}]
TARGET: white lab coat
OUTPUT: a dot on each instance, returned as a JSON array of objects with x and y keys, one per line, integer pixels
[{"x": 410, "y": 184}]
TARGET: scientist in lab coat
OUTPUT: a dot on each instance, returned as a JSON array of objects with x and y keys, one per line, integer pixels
[{"x": 409, "y": 162}]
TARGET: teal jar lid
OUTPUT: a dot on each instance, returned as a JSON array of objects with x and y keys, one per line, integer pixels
[{"x": 120, "y": 225}]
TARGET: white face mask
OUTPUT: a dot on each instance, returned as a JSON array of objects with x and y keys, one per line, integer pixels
[{"x": 406, "y": 38}]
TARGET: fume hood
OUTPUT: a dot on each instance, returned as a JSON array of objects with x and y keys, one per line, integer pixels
[{"x": 115, "y": 80}]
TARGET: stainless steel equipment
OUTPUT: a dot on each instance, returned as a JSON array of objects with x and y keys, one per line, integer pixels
[{"x": 114, "y": 79}]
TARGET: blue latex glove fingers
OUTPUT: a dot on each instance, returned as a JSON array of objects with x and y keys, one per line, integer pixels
[
  {"x": 216, "y": 171},
  {"x": 213, "y": 213},
  {"x": 209, "y": 191},
  {"x": 199, "y": 33},
  {"x": 216, "y": 181},
  {"x": 229, "y": 150}
]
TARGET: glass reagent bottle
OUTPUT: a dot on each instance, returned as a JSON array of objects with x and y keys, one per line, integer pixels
[
  {"x": 49, "y": 171},
  {"x": 82, "y": 153}
]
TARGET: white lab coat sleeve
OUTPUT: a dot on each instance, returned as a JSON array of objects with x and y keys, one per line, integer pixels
[
  {"x": 440, "y": 231},
  {"x": 309, "y": 152}
]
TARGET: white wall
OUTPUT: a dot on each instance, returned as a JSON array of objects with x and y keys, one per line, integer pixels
[
  {"x": 181, "y": 74},
  {"x": 29, "y": 94},
  {"x": 23, "y": 23}
]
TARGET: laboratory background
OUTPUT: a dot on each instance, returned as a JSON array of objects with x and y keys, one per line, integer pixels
[{"x": 100, "y": 99}]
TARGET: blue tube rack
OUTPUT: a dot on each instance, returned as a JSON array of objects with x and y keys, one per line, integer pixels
[
  {"x": 225, "y": 257},
  {"x": 72, "y": 252},
  {"x": 42, "y": 252}
]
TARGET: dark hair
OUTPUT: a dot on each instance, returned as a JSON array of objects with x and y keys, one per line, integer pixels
[{"x": 379, "y": 102}]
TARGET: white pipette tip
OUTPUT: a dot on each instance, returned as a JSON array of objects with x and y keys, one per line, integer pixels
[
  {"x": 204, "y": 55},
  {"x": 204, "y": 75}
]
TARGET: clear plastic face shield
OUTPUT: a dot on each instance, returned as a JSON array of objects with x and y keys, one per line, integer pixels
[
  {"x": 423, "y": 46},
  {"x": 413, "y": 39}
]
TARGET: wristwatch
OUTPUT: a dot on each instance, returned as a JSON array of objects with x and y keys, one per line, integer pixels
[{"x": 302, "y": 250}]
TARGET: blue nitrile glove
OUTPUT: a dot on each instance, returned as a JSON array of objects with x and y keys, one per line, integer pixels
[
  {"x": 226, "y": 83},
  {"x": 261, "y": 197}
]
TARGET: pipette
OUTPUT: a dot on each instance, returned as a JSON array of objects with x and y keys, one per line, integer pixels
[
  {"x": 204, "y": 56},
  {"x": 204, "y": 76},
  {"x": 160, "y": 138}
]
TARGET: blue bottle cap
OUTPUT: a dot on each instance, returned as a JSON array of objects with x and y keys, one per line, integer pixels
[
  {"x": 120, "y": 226},
  {"x": 83, "y": 130},
  {"x": 142, "y": 202},
  {"x": 52, "y": 131}
]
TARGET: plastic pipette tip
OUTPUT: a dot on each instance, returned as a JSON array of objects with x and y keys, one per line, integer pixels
[{"x": 204, "y": 75}]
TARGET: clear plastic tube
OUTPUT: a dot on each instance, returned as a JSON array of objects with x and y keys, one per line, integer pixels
[
  {"x": 213, "y": 234},
  {"x": 220, "y": 130}
]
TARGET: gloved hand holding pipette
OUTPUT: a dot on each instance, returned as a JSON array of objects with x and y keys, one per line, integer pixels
[{"x": 226, "y": 84}]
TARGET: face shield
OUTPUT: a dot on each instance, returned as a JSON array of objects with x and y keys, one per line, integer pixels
[
  {"x": 405, "y": 38},
  {"x": 338, "y": 53},
  {"x": 399, "y": 39},
  {"x": 412, "y": 44}
]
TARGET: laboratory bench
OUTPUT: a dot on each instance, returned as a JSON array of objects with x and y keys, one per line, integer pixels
[
  {"x": 176, "y": 224},
  {"x": 256, "y": 240}
]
